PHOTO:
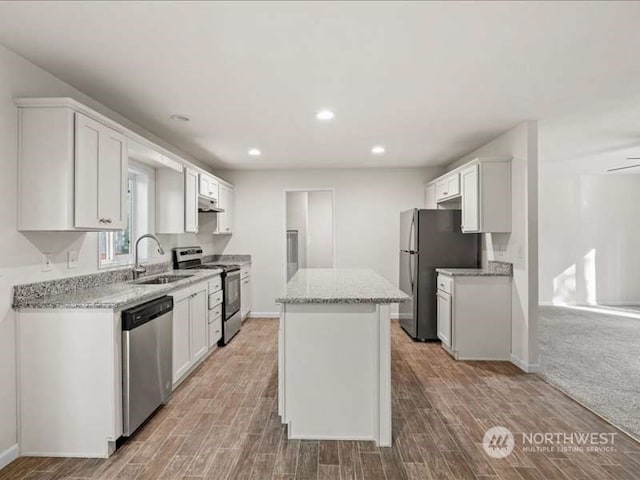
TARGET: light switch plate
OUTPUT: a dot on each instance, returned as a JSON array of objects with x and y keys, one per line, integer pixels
[
  {"x": 47, "y": 262},
  {"x": 72, "y": 259}
]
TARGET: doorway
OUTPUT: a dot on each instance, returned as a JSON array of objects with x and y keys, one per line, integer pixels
[{"x": 309, "y": 225}]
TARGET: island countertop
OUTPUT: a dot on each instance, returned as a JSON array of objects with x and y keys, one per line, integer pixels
[{"x": 337, "y": 285}]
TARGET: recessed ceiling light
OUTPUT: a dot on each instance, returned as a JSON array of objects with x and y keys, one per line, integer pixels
[
  {"x": 325, "y": 115},
  {"x": 378, "y": 150},
  {"x": 180, "y": 118},
  {"x": 254, "y": 152}
]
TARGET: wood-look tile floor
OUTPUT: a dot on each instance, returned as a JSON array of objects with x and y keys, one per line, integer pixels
[{"x": 222, "y": 423}]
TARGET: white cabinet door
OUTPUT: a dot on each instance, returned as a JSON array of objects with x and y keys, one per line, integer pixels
[
  {"x": 208, "y": 186},
  {"x": 470, "y": 199},
  {"x": 100, "y": 176},
  {"x": 181, "y": 336},
  {"x": 190, "y": 201},
  {"x": 225, "y": 219},
  {"x": 430, "y": 197},
  {"x": 199, "y": 324},
  {"x": 448, "y": 187},
  {"x": 444, "y": 317},
  {"x": 245, "y": 297}
]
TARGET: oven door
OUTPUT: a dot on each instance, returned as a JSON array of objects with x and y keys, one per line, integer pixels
[{"x": 231, "y": 294}]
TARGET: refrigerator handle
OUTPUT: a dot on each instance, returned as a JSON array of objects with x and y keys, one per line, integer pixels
[
  {"x": 411, "y": 272},
  {"x": 411, "y": 239}
]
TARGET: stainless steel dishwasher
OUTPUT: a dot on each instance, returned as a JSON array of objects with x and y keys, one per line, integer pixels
[{"x": 146, "y": 360}]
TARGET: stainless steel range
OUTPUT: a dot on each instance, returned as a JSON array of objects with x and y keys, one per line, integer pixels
[{"x": 187, "y": 258}]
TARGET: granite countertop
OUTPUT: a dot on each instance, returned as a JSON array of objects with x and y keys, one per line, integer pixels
[
  {"x": 471, "y": 272},
  {"x": 328, "y": 285},
  {"x": 494, "y": 269},
  {"x": 116, "y": 295},
  {"x": 242, "y": 263},
  {"x": 235, "y": 259}
]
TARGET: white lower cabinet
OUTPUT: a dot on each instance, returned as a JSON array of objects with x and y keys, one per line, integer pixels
[
  {"x": 215, "y": 311},
  {"x": 245, "y": 292},
  {"x": 190, "y": 329},
  {"x": 444, "y": 318},
  {"x": 474, "y": 316}
]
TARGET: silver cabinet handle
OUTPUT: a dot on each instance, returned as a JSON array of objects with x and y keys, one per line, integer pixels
[{"x": 105, "y": 220}]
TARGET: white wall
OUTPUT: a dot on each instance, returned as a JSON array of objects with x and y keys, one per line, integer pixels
[
  {"x": 519, "y": 247},
  {"x": 21, "y": 252},
  {"x": 589, "y": 232},
  {"x": 367, "y": 207},
  {"x": 320, "y": 226}
]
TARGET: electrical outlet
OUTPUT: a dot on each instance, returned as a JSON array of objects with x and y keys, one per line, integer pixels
[
  {"x": 47, "y": 262},
  {"x": 72, "y": 259}
]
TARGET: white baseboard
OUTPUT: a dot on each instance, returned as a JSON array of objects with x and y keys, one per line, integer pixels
[
  {"x": 525, "y": 366},
  {"x": 264, "y": 315},
  {"x": 9, "y": 455}
]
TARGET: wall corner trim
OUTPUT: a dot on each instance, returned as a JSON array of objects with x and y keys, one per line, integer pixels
[
  {"x": 9, "y": 455},
  {"x": 525, "y": 366}
]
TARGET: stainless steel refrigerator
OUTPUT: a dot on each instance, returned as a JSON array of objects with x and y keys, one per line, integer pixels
[{"x": 430, "y": 239}]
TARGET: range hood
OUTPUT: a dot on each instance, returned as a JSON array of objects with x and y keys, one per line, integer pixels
[{"x": 207, "y": 205}]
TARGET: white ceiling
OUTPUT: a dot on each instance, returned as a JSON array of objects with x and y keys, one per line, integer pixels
[{"x": 429, "y": 81}]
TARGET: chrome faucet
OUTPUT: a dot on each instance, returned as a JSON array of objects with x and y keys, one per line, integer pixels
[{"x": 137, "y": 268}]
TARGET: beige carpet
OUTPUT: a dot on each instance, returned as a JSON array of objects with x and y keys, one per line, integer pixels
[{"x": 594, "y": 356}]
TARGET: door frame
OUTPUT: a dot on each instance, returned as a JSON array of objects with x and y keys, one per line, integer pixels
[{"x": 284, "y": 222}]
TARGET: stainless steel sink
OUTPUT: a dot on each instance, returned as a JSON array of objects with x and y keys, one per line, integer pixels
[{"x": 161, "y": 280}]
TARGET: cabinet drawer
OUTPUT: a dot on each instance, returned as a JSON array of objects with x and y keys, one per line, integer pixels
[
  {"x": 215, "y": 332},
  {"x": 215, "y": 313},
  {"x": 215, "y": 284},
  {"x": 245, "y": 272},
  {"x": 445, "y": 283},
  {"x": 215, "y": 299}
]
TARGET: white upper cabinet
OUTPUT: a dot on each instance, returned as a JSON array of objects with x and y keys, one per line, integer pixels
[
  {"x": 208, "y": 187},
  {"x": 190, "y": 201},
  {"x": 72, "y": 171},
  {"x": 448, "y": 187},
  {"x": 100, "y": 176},
  {"x": 486, "y": 196},
  {"x": 430, "y": 197},
  {"x": 225, "y": 219},
  {"x": 481, "y": 188},
  {"x": 470, "y": 199}
]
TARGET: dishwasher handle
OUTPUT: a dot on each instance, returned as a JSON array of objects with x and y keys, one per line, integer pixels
[{"x": 141, "y": 314}]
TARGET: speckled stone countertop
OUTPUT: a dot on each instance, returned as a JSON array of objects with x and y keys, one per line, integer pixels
[
  {"x": 242, "y": 260},
  {"x": 116, "y": 295},
  {"x": 328, "y": 285},
  {"x": 494, "y": 269}
]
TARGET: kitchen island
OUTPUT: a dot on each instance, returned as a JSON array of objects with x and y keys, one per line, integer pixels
[{"x": 334, "y": 355}]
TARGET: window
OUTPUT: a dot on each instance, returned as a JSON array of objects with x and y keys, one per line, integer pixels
[{"x": 116, "y": 248}]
